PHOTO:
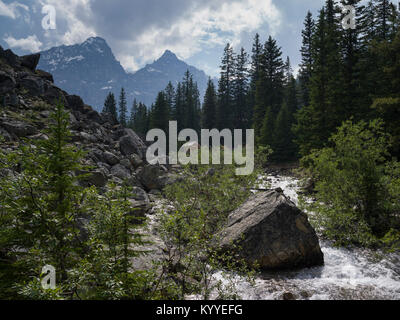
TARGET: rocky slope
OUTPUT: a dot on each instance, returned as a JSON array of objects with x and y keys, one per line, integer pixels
[{"x": 27, "y": 97}]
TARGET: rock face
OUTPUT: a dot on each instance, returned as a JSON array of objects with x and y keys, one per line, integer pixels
[{"x": 272, "y": 232}]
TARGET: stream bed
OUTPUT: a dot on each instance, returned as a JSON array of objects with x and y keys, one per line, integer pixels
[{"x": 348, "y": 274}]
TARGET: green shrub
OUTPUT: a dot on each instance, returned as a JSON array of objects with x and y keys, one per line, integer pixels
[{"x": 357, "y": 189}]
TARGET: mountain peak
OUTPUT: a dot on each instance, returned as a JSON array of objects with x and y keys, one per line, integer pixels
[
  {"x": 169, "y": 55},
  {"x": 95, "y": 40}
]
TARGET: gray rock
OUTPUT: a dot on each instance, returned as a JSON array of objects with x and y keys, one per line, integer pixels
[
  {"x": 120, "y": 172},
  {"x": 20, "y": 129},
  {"x": 7, "y": 83},
  {"x": 75, "y": 103},
  {"x": 272, "y": 232},
  {"x": 35, "y": 85},
  {"x": 45, "y": 75},
  {"x": 110, "y": 158},
  {"x": 155, "y": 177},
  {"x": 139, "y": 209},
  {"x": 30, "y": 61},
  {"x": 126, "y": 163},
  {"x": 136, "y": 161},
  {"x": 97, "y": 178},
  {"x": 139, "y": 194},
  {"x": 130, "y": 144}
]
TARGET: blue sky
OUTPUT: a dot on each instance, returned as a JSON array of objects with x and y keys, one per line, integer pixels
[{"x": 139, "y": 31}]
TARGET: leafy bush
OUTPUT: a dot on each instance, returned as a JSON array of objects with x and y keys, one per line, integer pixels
[
  {"x": 201, "y": 204},
  {"x": 357, "y": 189}
]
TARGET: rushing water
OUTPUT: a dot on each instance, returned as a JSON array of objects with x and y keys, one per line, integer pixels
[{"x": 347, "y": 274}]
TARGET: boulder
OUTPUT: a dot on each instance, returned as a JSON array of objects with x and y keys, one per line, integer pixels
[
  {"x": 7, "y": 82},
  {"x": 75, "y": 102},
  {"x": 94, "y": 116},
  {"x": 120, "y": 172},
  {"x": 135, "y": 161},
  {"x": 138, "y": 209},
  {"x": 30, "y": 61},
  {"x": 20, "y": 129},
  {"x": 54, "y": 95},
  {"x": 110, "y": 158},
  {"x": 96, "y": 178},
  {"x": 139, "y": 194},
  {"x": 45, "y": 75},
  {"x": 155, "y": 177},
  {"x": 269, "y": 230},
  {"x": 33, "y": 84},
  {"x": 11, "y": 58},
  {"x": 130, "y": 144}
]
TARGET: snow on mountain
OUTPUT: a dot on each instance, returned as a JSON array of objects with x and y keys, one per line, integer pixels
[{"x": 91, "y": 70}]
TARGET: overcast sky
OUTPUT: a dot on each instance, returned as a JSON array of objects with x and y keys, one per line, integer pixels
[{"x": 139, "y": 31}]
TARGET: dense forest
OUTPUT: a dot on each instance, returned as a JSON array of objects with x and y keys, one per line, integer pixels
[{"x": 344, "y": 74}]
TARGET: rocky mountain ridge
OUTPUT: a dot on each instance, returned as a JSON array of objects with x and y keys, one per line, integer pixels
[{"x": 91, "y": 71}]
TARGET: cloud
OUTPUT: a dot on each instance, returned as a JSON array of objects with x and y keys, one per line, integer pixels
[
  {"x": 11, "y": 10},
  {"x": 31, "y": 43},
  {"x": 140, "y": 31}
]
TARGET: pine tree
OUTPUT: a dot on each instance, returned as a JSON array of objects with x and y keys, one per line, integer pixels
[
  {"x": 284, "y": 148},
  {"x": 382, "y": 21},
  {"x": 122, "y": 108},
  {"x": 110, "y": 106},
  {"x": 132, "y": 118},
  {"x": 241, "y": 113},
  {"x": 42, "y": 201},
  {"x": 307, "y": 59},
  {"x": 269, "y": 92},
  {"x": 255, "y": 71},
  {"x": 169, "y": 96},
  {"x": 160, "y": 113},
  {"x": 225, "y": 88},
  {"x": 142, "y": 120},
  {"x": 210, "y": 107},
  {"x": 178, "y": 112}
]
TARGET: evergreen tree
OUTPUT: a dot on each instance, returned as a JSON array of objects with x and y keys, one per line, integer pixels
[
  {"x": 160, "y": 113},
  {"x": 307, "y": 59},
  {"x": 382, "y": 21},
  {"x": 122, "y": 108},
  {"x": 169, "y": 96},
  {"x": 210, "y": 107},
  {"x": 225, "y": 90},
  {"x": 241, "y": 114},
  {"x": 178, "y": 113},
  {"x": 269, "y": 92},
  {"x": 110, "y": 106},
  {"x": 134, "y": 111},
  {"x": 255, "y": 72}
]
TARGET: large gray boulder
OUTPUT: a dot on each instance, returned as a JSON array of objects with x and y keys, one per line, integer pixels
[
  {"x": 120, "y": 172},
  {"x": 130, "y": 143},
  {"x": 30, "y": 61},
  {"x": 7, "y": 82},
  {"x": 155, "y": 177},
  {"x": 269, "y": 230},
  {"x": 19, "y": 128}
]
